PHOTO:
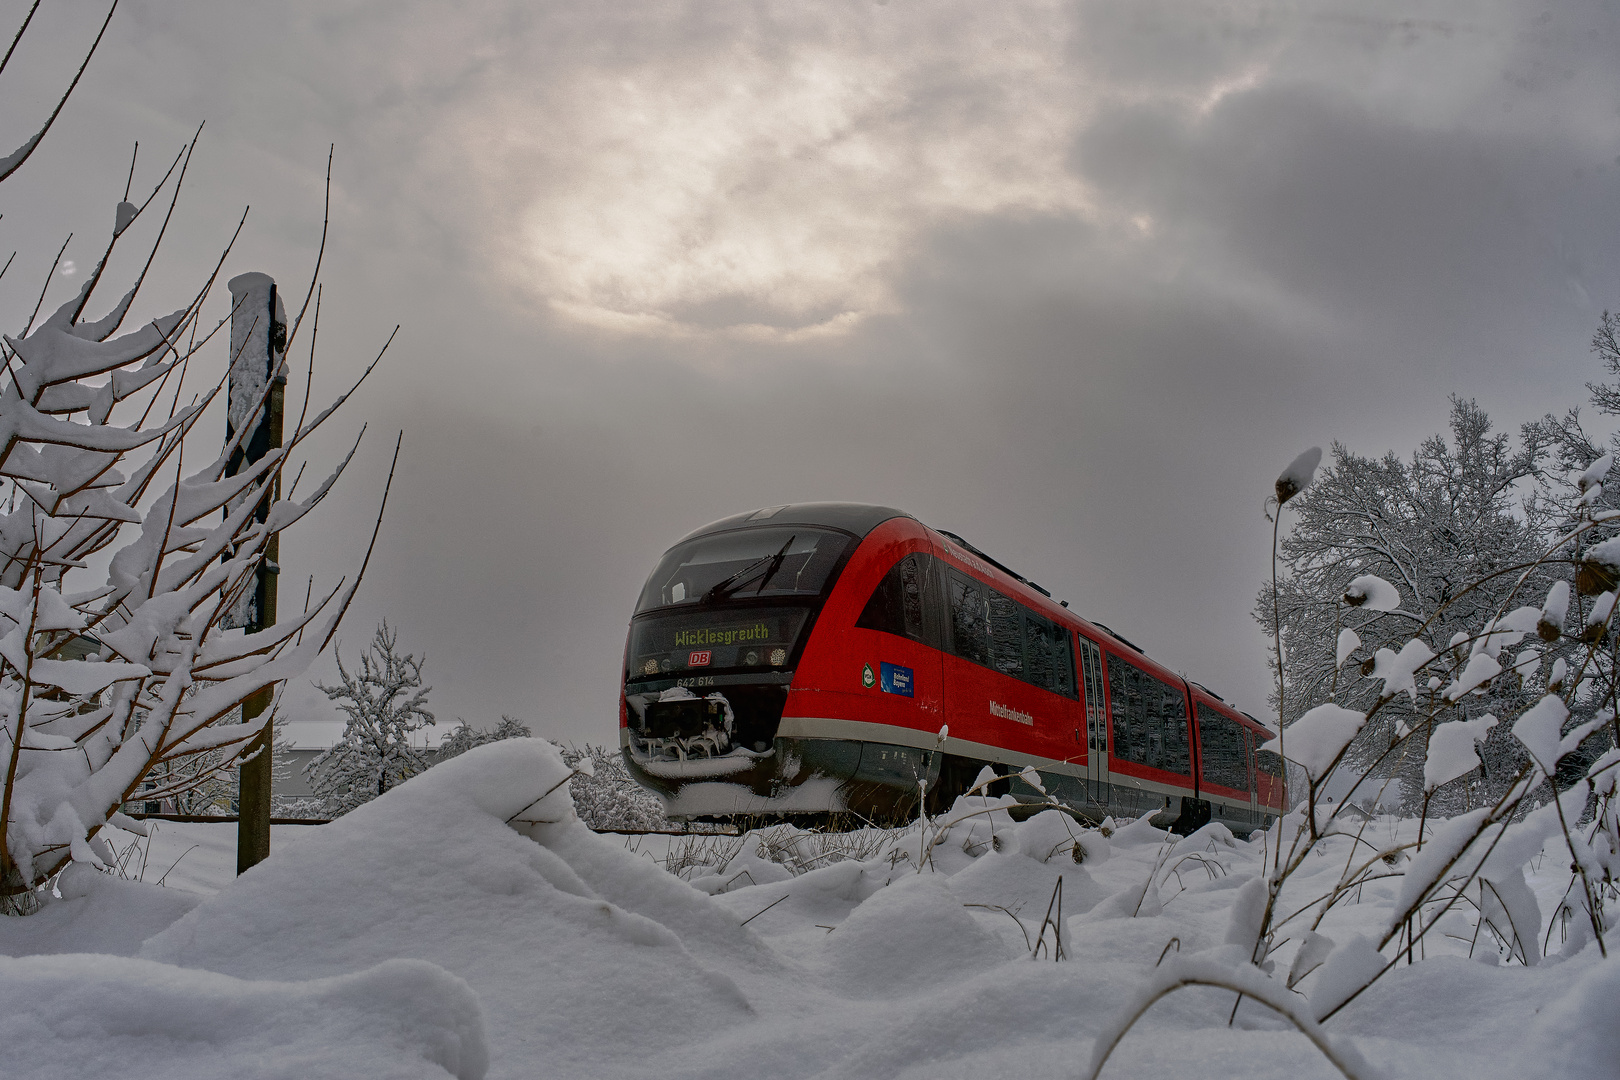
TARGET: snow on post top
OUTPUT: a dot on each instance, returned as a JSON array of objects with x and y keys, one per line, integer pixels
[
  {"x": 1299, "y": 474},
  {"x": 252, "y": 328}
]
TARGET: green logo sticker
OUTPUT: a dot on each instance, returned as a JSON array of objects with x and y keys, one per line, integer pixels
[{"x": 868, "y": 679}]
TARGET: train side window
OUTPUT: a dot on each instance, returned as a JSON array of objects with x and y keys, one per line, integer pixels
[
  {"x": 970, "y": 618},
  {"x": 1048, "y": 661},
  {"x": 1149, "y": 719},
  {"x": 896, "y": 606},
  {"x": 1007, "y": 634},
  {"x": 1223, "y": 749},
  {"x": 995, "y": 630},
  {"x": 1040, "y": 653}
]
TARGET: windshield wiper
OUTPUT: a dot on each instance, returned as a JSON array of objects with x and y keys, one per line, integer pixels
[{"x": 725, "y": 588}]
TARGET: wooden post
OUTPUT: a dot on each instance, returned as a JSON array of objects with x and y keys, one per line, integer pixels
[
  {"x": 254, "y": 780},
  {"x": 258, "y": 338}
]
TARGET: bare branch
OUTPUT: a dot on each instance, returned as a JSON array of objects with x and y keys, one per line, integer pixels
[{"x": 11, "y": 164}]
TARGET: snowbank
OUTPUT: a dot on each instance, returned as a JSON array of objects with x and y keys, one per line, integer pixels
[
  {"x": 467, "y": 916},
  {"x": 564, "y": 941},
  {"x": 89, "y": 1016},
  {"x": 93, "y": 912}
]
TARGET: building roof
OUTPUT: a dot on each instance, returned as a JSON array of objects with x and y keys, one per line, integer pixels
[{"x": 324, "y": 734}]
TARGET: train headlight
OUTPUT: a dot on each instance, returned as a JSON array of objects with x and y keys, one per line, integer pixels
[
  {"x": 778, "y": 657},
  {"x": 650, "y": 667}
]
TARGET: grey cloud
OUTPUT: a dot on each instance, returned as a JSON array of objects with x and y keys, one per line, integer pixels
[
  {"x": 1363, "y": 217},
  {"x": 1298, "y": 223}
]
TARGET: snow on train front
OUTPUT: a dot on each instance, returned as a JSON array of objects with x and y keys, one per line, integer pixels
[{"x": 717, "y": 631}]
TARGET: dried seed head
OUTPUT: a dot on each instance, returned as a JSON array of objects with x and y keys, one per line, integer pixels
[
  {"x": 1299, "y": 474},
  {"x": 1077, "y": 852},
  {"x": 1546, "y": 631},
  {"x": 1372, "y": 592},
  {"x": 1367, "y": 666},
  {"x": 1594, "y": 474},
  {"x": 1595, "y": 577}
]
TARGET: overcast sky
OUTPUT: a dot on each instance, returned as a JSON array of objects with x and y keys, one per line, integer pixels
[{"x": 1074, "y": 280}]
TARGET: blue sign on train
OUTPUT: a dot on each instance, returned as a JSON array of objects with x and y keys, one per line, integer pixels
[{"x": 896, "y": 679}]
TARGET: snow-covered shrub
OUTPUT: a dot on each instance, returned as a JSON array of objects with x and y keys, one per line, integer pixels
[
  {"x": 202, "y": 784},
  {"x": 215, "y": 781},
  {"x": 465, "y": 737},
  {"x": 607, "y": 797},
  {"x": 1477, "y": 860},
  {"x": 1444, "y": 534},
  {"x": 719, "y": 863},
  {"x": 103, "y": 480},
  {"x": 384, "y": 700}
]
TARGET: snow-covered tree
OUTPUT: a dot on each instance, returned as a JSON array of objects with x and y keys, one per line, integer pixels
[
  {"x": 606, "y": 796},
  {"x": 465, "y": 737},
  {"x": 1450, "y": 530},
  {"x": 211, "y": 790},
  {"x": 99, "y": 478},
  {"x": 385, "y": 703}
]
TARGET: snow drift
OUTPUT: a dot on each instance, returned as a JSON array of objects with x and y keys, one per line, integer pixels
[{"x": 467, "y": 924}]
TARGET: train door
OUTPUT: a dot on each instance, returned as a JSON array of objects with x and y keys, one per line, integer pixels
[
  {"x": 1095, "y": 736},
  {"x": 1254, "y": 781}
]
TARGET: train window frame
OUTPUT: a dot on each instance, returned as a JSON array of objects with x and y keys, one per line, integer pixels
[
  {"x": 828, "y": 554},
  {"x": 1062, "y": 678},
  {"x": 1218, "y": 751},
  {"x": 1016, "y": 619},
  {"x": 967, "y": 604},
  {"x": 890, "y": 609},
  {"x": 1006, "y": 623},
  {"x": 1138, "y": 731}
]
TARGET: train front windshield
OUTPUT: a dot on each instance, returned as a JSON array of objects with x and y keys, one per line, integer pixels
[{"x": 732, "y": 600}]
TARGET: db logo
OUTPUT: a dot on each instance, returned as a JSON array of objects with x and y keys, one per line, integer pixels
[{"x": 699, "y": 659}]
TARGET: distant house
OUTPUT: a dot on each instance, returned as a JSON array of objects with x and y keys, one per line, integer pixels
[
  {"x": 76, "y": 647},
  {"x": 308, "y": 739}
]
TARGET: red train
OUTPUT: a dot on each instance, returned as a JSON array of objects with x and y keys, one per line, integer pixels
[{"x": 801, "y": 660}]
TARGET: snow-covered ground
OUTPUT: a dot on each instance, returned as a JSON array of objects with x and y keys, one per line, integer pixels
[{"x": 466, "y": 924}]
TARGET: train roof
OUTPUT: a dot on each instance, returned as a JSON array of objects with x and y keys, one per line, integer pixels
[
  {"x": 856, "y": 518},
  {"x": 860, "y": 519}
]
